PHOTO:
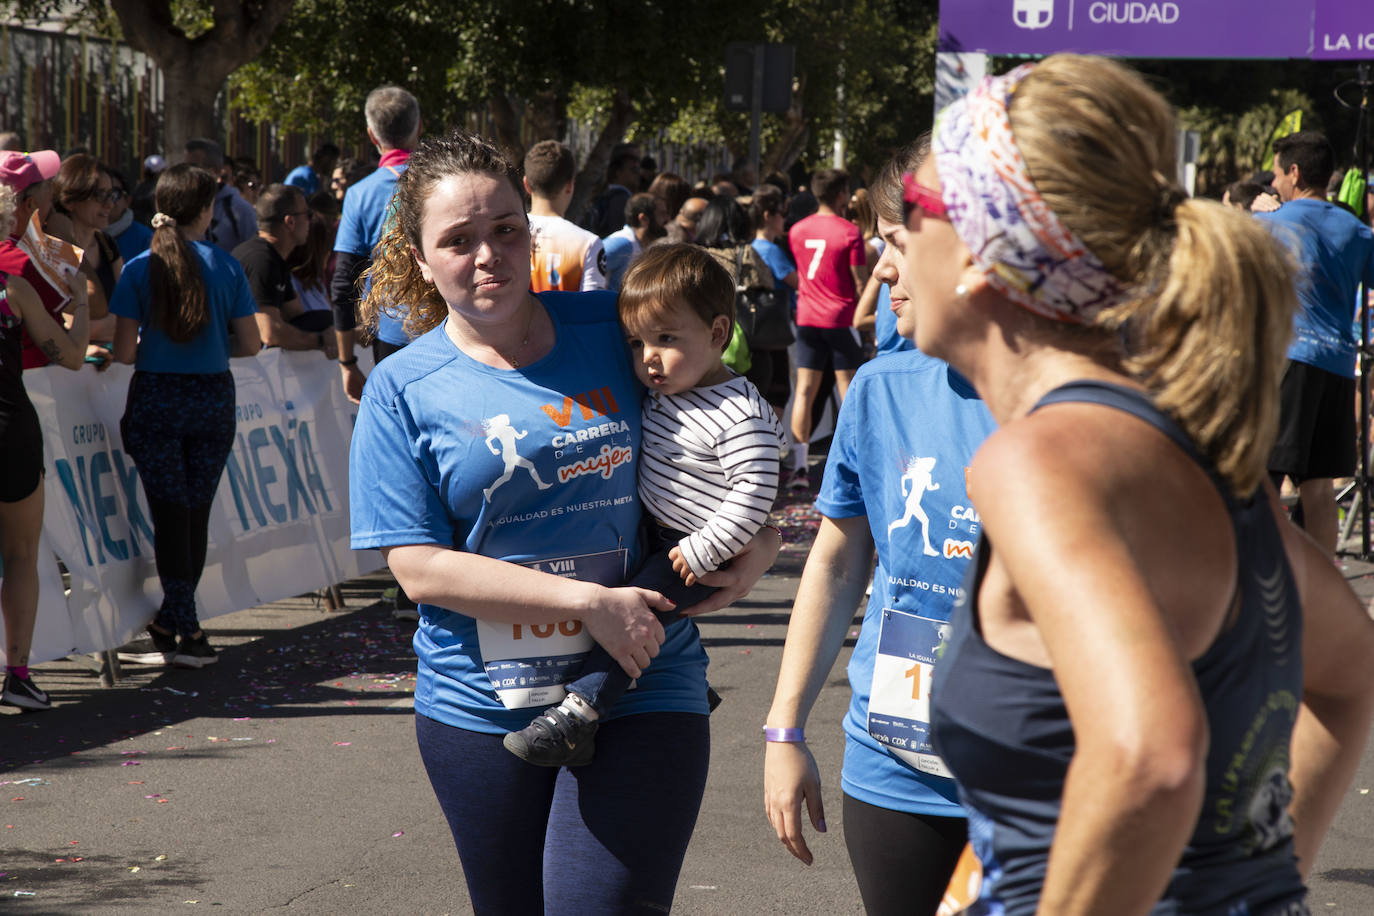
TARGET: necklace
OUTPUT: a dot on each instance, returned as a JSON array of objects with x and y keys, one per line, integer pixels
[{"x": 512, "y": 358}]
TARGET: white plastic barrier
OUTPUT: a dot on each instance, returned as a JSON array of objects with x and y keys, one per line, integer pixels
[{"x": 280, "y": 521}]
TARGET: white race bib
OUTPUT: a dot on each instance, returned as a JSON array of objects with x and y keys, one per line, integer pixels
[
  {"x": 529, "y": 663},
  {"x": 899, "y": 698}
]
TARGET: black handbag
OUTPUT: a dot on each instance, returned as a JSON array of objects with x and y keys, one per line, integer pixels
[{"x": 761, "y": 313}]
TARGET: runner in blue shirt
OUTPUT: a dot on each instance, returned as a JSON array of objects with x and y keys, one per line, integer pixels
[
  {"x": 493, "y": 462},
  {"x": 1334, "y": 251},
  {"x": 894, "y": 479},
  {"x": 177, "y": 304},
  {"x": 393, "y": 126}
]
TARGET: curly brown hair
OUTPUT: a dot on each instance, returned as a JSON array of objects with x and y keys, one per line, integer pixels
[{"x": 397, "y": 284}]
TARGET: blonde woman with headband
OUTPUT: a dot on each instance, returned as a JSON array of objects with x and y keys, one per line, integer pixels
[{"x": 1156, "y": 690}]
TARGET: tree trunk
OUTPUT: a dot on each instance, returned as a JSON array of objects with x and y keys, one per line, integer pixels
[
  {"x": 507, "y": 125},
  {"x": 788, "y": 147},
  {"x": 549, "y": 114},
  {"x": 188, "y": 107},
  {"x": 592, "y": 178},
  {"x": 194, "y": 69}
]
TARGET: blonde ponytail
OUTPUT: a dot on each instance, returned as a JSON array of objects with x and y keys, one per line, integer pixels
[
  {"x": 1212, "y": 314},
  {"x": 1208, "y": 339}
]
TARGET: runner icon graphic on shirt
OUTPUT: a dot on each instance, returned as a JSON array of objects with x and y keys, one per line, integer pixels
[
  {"x": 916, "y": 482},
  {"x": 499, "y": 430}
]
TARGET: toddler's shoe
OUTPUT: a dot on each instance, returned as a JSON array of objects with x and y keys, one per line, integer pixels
[{"x": 558, "y": 737}]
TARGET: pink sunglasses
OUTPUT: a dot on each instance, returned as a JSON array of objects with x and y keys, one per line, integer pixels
[{"x": 917, "y": 195}]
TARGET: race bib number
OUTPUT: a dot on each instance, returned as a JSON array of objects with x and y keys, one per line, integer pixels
[
  {"x": 528, "y": 664},
  {"x": 899, "y": 700}
]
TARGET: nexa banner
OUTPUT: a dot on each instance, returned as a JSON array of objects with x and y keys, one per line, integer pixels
[
  {"x": 1317, "y": 29},
  {"x": 279, "y": 526}
]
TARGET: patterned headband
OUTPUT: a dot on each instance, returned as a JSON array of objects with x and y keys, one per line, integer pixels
[{"x": 1028, "y": 255}]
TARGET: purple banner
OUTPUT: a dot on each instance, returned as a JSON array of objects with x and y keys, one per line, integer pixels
[
  {"x": 1344, "y": 30},
  {"x": 1224, "y": 29}
]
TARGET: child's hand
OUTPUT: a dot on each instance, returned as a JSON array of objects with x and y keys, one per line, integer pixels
[{"x": 680, "y": 566}]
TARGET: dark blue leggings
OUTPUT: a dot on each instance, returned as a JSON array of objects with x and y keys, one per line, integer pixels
[
  {"x": 179, "y": 428},
  {"x": 617, "y": 828}
]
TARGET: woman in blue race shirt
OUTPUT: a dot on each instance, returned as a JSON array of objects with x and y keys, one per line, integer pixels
[
  {"x": 184, "y": 308},
  {"x": 1155, "y": 690},
  {"x": 895, "y": 479},
  {"x": 493, "y": 462}
]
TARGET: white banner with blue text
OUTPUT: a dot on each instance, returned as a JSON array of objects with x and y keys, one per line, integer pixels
[{"x": 279, "y": 525}]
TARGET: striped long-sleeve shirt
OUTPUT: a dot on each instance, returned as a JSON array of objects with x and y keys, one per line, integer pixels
[{"x": 709, "y": 465}]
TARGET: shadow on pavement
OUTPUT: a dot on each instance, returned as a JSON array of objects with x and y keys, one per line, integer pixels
[{"x": 353, "y": 662}]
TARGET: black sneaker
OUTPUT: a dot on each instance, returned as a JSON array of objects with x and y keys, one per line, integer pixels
[
  {"x": 194, "y": 652},
  {"x": 23, "y": 692},
  {"x": 555, "y": 739},
  {"x": 798, "y": 479},
  {"x": 154, "y": 649}
]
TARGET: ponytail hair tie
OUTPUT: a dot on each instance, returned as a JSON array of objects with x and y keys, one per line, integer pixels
[
  {"x": 1170, "y": 198},
  {"x": 162, "y": 219}
]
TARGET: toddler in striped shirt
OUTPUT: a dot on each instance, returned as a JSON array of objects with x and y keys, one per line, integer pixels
[{"x": 708, "y": 468}]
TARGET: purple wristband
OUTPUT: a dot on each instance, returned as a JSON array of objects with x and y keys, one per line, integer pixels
[{"x": 783, "y": 735}]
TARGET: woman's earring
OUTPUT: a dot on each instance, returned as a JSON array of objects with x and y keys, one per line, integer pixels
[{"x": 961, "y": 291}]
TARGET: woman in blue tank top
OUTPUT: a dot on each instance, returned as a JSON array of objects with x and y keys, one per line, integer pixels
[{"x": 1155, "y": 691}]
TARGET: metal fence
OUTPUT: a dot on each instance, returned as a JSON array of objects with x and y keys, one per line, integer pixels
[{"x": 62, "y": 91}]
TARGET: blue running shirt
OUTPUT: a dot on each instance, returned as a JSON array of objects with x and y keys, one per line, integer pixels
[
  {"x": 227, "y": 295},
  {"x": 534, "y": 466},
  {"x": 1335, "y": 253},
  {"x": 907, "y": 430}
]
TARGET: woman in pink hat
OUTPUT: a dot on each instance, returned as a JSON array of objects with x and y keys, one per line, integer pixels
[{"x": 24, "y": 316}]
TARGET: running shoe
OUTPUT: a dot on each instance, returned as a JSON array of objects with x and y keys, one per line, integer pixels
[
  {"x": 24, "y": 693},
  {"x": 194, "y": 652},
  {"x": 154, "y": 649},
  {"x": 798, "y": 479},
  {"x": 556, "y": 738}
]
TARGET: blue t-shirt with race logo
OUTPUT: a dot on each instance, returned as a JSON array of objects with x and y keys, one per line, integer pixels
[
  {"x": 366, "y": 209},
  {"x": 906, "y": 433},
  {"x": 1335, "y": 253},
  {"x": 535, "y": 465},
  {"x": 227, "y": 296}
]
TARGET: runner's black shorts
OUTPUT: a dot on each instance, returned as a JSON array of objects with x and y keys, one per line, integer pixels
[
  {"x": 821, "y": 347},
  {"x": 21, "y": 457},
  {"x": 1316, "y": 437}
]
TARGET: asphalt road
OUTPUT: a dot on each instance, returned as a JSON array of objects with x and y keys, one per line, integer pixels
[{"x": 286, "y": 778}]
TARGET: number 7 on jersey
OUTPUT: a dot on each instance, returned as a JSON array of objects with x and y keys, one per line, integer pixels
[{"x": 818, "y": 245}]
